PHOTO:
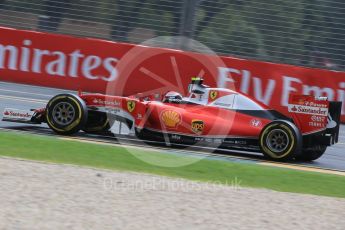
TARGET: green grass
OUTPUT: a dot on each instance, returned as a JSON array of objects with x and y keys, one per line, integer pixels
[{"x": 51, "y": 149}]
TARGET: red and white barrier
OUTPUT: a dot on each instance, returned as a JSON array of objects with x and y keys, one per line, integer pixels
[{"x": 101, "y": 66}]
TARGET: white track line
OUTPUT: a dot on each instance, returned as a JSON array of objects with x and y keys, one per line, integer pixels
[
  {"x": 2, "y": 83},
  {"x": 22, "y": 92},
  {"x": 23, "y": 99}
]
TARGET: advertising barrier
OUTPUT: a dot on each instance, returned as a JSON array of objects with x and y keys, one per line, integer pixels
[{"x": 95, "y": 65}]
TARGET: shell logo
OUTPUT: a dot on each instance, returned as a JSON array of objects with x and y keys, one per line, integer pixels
[{"x": 171, "y": 118}]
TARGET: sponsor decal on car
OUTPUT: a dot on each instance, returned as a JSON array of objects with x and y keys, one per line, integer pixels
[
  {"x": 236, "y": 142},
  {"x": 316, "y": 124},
  {"x": 209, "y": 140},
  {"x": 171, "y": 118},
  {"x": 176, "y": 137},
  {"x": 256, "y": 123},
  {"x": 318, "y": 118},
  {"x": 317, "y": 121},
  {"x": 130, "y": 106},
  {"x": 223, "y": 104},
  {"x": 315, "y": 104},
  {"x": 198, "y": 126},
  {"x": 112, "y": 110},
  {"x": 98, "y": 101},
  {"x": 213, "y": 94},
  {"x": 15, "y": 114},
  {"x": 312, "y": 110},
  {"x": 199, "y": 139},
  {"x": 218, "y": 141}
]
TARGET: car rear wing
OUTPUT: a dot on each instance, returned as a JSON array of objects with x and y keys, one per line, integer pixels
[
  {"x": 316, "y": 115},
  {"x": 333, "y": 120}
]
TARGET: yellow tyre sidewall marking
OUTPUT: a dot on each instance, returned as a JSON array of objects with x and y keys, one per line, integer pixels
[
  {"x": 71, "y": 126},
  {"x": 268, "y": 151}
]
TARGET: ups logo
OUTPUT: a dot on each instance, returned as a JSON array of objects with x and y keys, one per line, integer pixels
[{"x": 198, "y": 126}]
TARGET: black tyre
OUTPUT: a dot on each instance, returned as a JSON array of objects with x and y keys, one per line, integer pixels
[
  {"x": 280, "y": 140},
  {"x": 312, "y": 153},
  {"x": 66, "y": 114},
  {"x": 97, "y": 122}
]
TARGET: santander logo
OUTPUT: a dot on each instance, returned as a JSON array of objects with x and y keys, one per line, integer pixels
[
  {"x": 29, "y": 58},
  {"x": 17, "y": 114}
]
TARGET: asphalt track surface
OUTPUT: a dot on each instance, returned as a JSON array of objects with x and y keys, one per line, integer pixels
[{"x": 28, "y": 97}]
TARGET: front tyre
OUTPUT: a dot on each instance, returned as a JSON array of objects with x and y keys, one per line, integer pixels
[
  {"x": 66, "y": 114},
  {"x": 280, "y": 140}
]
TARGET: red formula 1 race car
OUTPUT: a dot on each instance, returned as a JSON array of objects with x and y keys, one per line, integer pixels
[{"x": 215, "y": 116}]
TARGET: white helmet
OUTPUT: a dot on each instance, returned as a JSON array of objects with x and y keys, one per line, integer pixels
[{"x": 172, "y": 97}]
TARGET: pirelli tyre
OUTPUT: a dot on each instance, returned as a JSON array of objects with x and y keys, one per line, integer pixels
[
  {"x": 280, "y": 140},
  {"x": 66, "y": 114}
]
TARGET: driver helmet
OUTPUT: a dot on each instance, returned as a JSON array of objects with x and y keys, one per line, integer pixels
[{"x": 172, "y": 97}]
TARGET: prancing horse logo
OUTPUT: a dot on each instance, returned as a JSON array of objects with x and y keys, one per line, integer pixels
[
  {"x": 130, "y": 106},
  {"x": 213, "y": 94}
]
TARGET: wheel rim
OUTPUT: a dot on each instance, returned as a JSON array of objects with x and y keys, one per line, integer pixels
[
  {"x": 63, "y": 113},
  {"x": 277, "y": 140}
]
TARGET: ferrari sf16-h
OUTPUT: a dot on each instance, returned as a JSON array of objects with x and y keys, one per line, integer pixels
[{"x": 214, "y": 116}]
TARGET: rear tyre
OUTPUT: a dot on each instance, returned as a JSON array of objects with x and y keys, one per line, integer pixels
[
  {"x": 280, "y": 140},
  {"x": 312, "y": 153},
  {"x": 66, "y": 114}
]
